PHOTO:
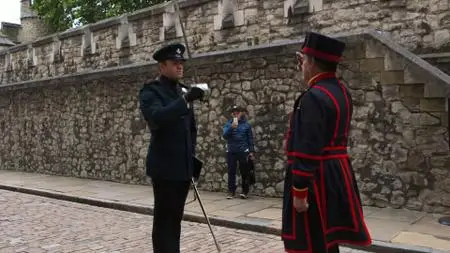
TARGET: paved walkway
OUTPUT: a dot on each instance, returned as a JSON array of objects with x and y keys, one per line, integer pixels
[
  {"x": 34, "y": 224},
  {"x": 415, "y": 230}
]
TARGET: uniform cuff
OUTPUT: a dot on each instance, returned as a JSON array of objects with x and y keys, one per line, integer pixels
[{"x": 300, "y": 193}]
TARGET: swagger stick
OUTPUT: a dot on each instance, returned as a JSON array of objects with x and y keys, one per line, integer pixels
[
  {"x": 206, "y": 216},
  {"x": 177, "y": 9},
  {"x": 197, "y": 195}
]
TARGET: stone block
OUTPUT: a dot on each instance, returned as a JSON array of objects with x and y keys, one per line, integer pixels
[
  {"x": 374, "y": 49},
  {"x": 371, "y": 65},
  {"x": 390, "y": 92},
  {"x": 392, "y": 77},
  {"x": 394, "y": 61},
  {"x": 413, "y": 104},
  {"x": 250, "y": 12},
  {"x": 239, "y": 18},
  {"x": 434, "y": 90},
  {"x": 411, "y": 76},
  {"x": 228, "y": 15},
  {"x": 373, "y": 96},
  {"x": 87, "y": 43},
  {"x": 288, "y": 8},
  {"x": 8, "y": 62},
  {"x": 432, "y": 105},
  {"x": 412, "y": 90},
  {"x": 31, "y": 57},
  {"x": 444, "y": 119},
  {"x": 424, "y": 119},
  {"x": 56, "y": 56},
  {"x": 125, "y": 36},
  {"x": 315, "y": 5},
  {"x": 171, "y": 28},
  {"x": 441, "y": 38},
  {"x": 354, "y": 50},
  {"x": 397, "y": 3},
  {"x": 295, "y": 9}
]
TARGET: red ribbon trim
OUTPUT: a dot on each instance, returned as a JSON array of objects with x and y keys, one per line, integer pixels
[{"x": 322, "y": 55}]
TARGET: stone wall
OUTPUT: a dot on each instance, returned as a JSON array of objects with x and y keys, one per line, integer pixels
[
  {"x": 89, "y": 124},
  {"x": 400, "y": 142},
  {"x": 419, "y": 25}
]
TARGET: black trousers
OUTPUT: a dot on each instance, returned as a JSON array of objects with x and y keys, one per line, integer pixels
[
  {"x": 169, "y": 200},
  {"x": 233, "y": 159}
]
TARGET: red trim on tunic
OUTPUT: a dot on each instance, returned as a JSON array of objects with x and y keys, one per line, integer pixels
[
  {"x": 320, "y": 54},
  {"x": 338, "y": 112},
  {"x": 317, "y": 157},
  {"x": 300, "y": 193},
  {"x": 302, "y": 173},
  {"x": 294, "y": 154},
  {"x": 308, "y": 235},
  {"x": 319, "y": 207},
  {"x": 293, "y": 236},
  {"x": 322, "y": 213},
  {"x": 329, "y": 148},
  {"x": 350, "y": 199},
  {"x": 361, "y": 217},
  {"x": 324, "y": 199},
  {"x": 320, "y": 77}
]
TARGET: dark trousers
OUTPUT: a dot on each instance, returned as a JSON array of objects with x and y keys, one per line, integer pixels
[
  {"x": 170, "y": 198},
  {"x": 233, "y": 160}
]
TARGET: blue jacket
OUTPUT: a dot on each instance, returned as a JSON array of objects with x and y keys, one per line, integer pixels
[{"x": 239, "y": 139}]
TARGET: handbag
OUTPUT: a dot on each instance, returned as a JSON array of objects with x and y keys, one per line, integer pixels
[{"x": 251, "y": 171}]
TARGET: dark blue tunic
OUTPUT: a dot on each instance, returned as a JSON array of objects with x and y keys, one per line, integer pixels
[
  {"x": 173, "y": 130},
  {"x": 320, "y": 170}
]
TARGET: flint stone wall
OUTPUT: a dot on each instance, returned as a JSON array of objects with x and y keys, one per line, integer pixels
[
  {"x": 211, "y": 25},
  {"x": 89, "y": 125}
]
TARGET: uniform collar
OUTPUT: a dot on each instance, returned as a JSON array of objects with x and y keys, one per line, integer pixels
[
  {"x": 320, "y": 77},
  {"x": 165, "y": 79}
]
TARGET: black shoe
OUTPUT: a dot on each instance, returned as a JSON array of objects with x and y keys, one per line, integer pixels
[
  {"x": 230, "y": 195},
  {"x": 243, "y": 196}
]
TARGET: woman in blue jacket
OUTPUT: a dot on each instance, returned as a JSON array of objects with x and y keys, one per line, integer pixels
[{"x": 240, "y": 148}]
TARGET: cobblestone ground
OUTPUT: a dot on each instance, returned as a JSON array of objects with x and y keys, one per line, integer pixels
[{"x": 34, "y": 224}]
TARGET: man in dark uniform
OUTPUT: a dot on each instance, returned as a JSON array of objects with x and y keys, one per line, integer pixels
[
  {"x": 170, "y": 159},
  {"x": 321, "y": 205}
]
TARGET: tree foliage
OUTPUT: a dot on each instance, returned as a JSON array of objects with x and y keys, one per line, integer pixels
[{"x": 64, "y": 14}]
